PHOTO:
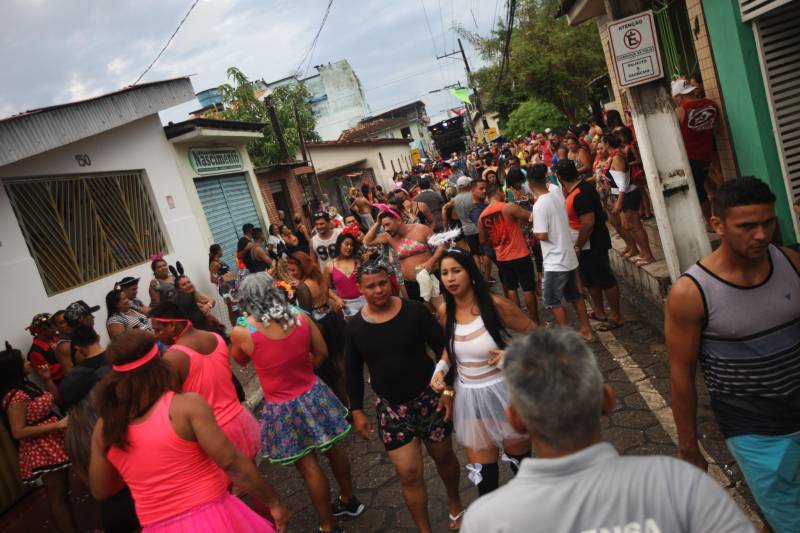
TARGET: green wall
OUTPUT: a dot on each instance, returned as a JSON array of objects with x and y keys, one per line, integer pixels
[{"x": 742, "y": 84}]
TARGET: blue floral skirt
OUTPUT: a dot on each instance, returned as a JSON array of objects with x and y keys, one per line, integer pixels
[{"x": 315, "y": 420}]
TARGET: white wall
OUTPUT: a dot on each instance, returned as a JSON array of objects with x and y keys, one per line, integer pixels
[
  {"x": 140, "y": 145},
  {"x": 328, "y": 157}
]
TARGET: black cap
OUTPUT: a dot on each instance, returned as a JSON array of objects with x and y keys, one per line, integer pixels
[
  {"x": 77, "y": 310},
  {"x": 128, "y": 281},
  {"x": 565, "y": 169}
]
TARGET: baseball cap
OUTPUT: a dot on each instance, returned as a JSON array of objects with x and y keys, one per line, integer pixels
[
  {"x": 681, "y": 86},
  {"x": 463, "y": 181},
  {"x": 565, "y": 169},
  {"x": 40, "y": 320},
  {"x": 77, "y": 310},
  {"x": 128, "y": 281}
]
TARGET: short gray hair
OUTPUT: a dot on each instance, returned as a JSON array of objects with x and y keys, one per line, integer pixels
[
  {"x": 555, "y": 386},
  {"x": 261, "y": 299}
]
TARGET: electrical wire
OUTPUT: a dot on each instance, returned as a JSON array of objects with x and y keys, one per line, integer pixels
[
  {"x": 310, "y": 52},
  {"x": 168, "y": 42}
]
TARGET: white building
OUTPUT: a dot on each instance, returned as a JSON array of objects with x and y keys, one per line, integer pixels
[
  {"x": 337, "y": 98},
  {"x": 344, "y": 164},
  {"x": 405, "y": 122},
  {"x": 92, "y": 189}
]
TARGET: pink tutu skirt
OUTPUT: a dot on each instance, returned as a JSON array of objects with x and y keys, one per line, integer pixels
[
  {"x": 244, "y": 432},
  {"x": 225, "y": 513}
]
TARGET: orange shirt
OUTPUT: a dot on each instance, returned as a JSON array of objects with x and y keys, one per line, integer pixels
[{"x": 505, "y": 235}]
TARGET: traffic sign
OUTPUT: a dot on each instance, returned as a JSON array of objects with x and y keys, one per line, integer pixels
[{"x": 634, "y": 48}]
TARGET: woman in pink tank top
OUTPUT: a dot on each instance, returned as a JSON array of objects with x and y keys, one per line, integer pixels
[
  {"x": 202, "y": 363},
  {"x": 301, "y": 415},
  {"x": 169, "y": 450},
  {"x": 341, "y": 274}
]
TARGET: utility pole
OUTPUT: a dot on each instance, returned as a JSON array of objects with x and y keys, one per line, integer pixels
[
  {"x": 305, "y": 153},
  {"x": 276, "y": 127},
  {"x": 666, "y": 165},
  {"x": 478, "y": 104}
]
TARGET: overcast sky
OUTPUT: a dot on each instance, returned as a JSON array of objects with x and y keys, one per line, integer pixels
[{"x": 57, "y": 51}]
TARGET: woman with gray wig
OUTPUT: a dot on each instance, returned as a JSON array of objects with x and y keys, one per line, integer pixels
[{"x": 301, "y": 415}]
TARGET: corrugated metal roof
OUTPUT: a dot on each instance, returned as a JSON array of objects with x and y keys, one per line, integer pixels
[{"x": 40, "y": 130}]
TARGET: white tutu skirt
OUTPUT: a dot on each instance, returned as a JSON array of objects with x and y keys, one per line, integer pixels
[{"x": 479, "y": 417}]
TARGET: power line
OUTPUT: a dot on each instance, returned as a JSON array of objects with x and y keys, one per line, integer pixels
[
  {"x": 433, "y": 39},
  {"x": 512, "y": 5},
  {"x": 166, "y": 45},
  {"x": 309, "y": 53}
]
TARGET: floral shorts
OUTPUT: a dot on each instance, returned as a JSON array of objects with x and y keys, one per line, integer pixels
[{"x": 399, "y": 424}]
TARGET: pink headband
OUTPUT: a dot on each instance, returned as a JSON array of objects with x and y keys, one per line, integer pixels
[
  {"x": 386, "y": 209},
  {"x": 133, "y": 365}
]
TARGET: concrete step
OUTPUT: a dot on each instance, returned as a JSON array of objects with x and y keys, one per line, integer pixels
[{"x": 651, "y": 281}]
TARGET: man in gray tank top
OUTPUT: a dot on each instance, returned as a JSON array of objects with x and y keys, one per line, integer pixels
[
  {"x": 737, "y": 312},
  {"x": 576, "y": 483}
]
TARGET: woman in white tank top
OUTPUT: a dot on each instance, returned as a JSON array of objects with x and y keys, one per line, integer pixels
[{"x": 476, "y": 324}]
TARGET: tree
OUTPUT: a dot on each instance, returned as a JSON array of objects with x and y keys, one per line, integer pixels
[
  {"x": 549, "y": 60},
  {"x": 533, "y": 115},
  {"x": 242, "y": 103}
]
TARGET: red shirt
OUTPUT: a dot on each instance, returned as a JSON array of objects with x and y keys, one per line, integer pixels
[
  {"x": 697, "y": 128},
  {"x": 43, "y": 353}
]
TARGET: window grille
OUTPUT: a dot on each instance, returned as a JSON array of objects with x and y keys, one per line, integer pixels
[
  {"x": 751, "y": 9},
  {"x": 82, "y": 228}
]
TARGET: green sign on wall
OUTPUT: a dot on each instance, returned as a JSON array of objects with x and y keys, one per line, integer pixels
[{"x": 207, "y": 161}]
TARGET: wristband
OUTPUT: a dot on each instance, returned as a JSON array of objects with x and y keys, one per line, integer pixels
[{"x": 443, "y": 366}]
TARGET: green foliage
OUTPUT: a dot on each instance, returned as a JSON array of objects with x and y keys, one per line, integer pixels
[
  {"x": 550, "y": 61},
  {"x": 534, "y": 115},
  {"x": 241, "y": 103}
]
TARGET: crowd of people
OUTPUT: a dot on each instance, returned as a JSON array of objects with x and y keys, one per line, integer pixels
[{"x": 153, "y": 421}]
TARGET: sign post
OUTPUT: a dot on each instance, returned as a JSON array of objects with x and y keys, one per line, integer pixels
[{"x": 634, "y": 47}]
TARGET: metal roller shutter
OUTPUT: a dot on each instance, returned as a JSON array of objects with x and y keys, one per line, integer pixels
[
  {"x": 779, "y": 43},
  {"x": 755, "y": 8},
  {"x": 228, "y": 205}
]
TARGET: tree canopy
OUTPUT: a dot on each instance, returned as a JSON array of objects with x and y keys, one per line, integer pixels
[
  {"x": 242, "y": 103},
  {"x": 533, "y": 115},
  {"x": 549, "y": 61}
]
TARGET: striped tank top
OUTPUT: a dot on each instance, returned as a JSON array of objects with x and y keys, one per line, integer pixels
[{"x": 750, "y": 349}]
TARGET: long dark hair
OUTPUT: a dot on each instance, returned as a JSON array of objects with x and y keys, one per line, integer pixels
[
  {"x": 184, "y": 307},
  {"x": 483, "y": 297},
  {"x": 356, "y": 245},
  {"x": 112, "y": 300},
  {"x": 12, "y": 374},
  {"x": 124, "y": 396}
]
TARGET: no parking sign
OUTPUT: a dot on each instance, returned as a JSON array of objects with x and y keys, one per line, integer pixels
[{"x": 634, "y": 47}]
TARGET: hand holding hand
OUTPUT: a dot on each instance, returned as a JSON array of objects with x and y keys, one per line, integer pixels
[
  {"x": 437, "y": 382},
  {"x": 361, "y": 424}
]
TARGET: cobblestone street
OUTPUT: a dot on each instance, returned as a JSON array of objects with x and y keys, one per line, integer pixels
[{"x": 634, "y": 361}]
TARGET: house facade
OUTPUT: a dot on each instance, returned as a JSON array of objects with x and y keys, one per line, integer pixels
[{"x": 91, "y": 190}]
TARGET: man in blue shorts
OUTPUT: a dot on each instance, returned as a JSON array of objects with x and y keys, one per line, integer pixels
[{"x": 737, "y": 312}]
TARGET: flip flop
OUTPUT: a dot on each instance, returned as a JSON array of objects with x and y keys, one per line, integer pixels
[
  {"x": 455, "y": 521},
  {"x": 609, "y": 326},
  {"x": 642, "y": 262},
  {"x": 593, "y": 316}
]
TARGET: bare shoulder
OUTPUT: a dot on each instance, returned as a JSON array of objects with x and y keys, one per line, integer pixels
[{"x": 685, "y": 299}]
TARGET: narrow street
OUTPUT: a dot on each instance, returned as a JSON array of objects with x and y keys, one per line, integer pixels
[{"x": 633, "y": 360}]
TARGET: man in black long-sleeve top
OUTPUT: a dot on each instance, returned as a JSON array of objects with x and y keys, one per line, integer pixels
[{"x": 390, "y": 335}]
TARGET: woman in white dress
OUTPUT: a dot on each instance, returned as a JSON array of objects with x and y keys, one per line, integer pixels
[{"x": 477, "y": 325}]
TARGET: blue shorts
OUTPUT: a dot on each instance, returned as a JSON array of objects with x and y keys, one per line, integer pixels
[
  {"x": 560, "y": 285},
  {"x": 771, "y": 467}
]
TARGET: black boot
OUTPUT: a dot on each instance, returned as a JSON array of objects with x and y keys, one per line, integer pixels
[
  {"x": 514, "y": 461},
  {"x": 488, "y": 475}
]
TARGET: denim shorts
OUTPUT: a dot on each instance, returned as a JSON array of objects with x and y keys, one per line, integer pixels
[{"x": 558, "y": 286}]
